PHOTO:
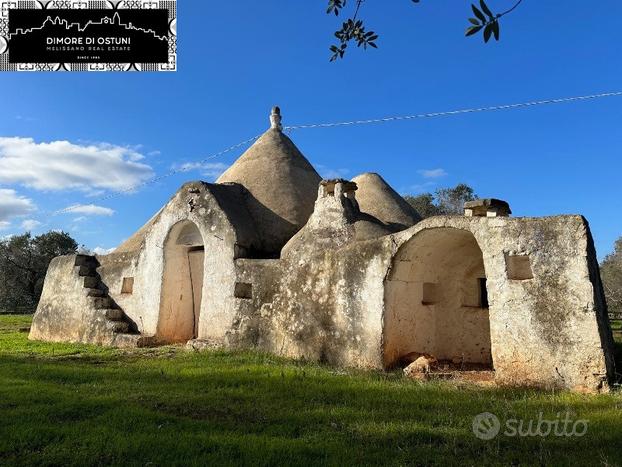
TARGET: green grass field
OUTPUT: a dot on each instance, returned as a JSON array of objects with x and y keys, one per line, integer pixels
[{"x": 81, "y": 405}]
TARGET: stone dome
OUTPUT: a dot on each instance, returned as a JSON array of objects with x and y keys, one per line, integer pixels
[
  {"x": 376, "y": 197},
  {"x": 282, "y": 185}
]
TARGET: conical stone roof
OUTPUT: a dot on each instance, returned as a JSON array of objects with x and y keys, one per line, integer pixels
[
  {"x": 281, "y": 183},
  {"x": 376, "y": 197}
]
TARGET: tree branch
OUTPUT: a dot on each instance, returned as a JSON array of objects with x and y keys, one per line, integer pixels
[
  {"x": 358, "y": 7},
  {"x": 354, "y": 29},
  {"x": 511, "y": 9}
]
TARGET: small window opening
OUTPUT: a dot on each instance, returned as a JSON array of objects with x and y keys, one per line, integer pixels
[
  {"x": 518, "y": 267},
  {"x": 243, "y": 290},
  {"x": 128, "y": 285},
  {"x": 429, "y": 293}
]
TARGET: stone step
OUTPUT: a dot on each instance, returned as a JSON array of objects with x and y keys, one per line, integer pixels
[
  {"x": 126, "y": 341},
  {"x": 149, "y": 341},
  {"x": 119, "y": 327},
  {"x": 87, "y": 271},
  {"x": 102, "y": 303},
  {"x": 91, "y": 282},
  {"x": 123, "y": 340},
  {"x": 114, "y": 314},
  {"x": 95, "y": 292}
]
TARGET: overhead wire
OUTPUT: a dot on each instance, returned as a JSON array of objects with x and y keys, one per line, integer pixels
[{"x": 289, "y": 128}]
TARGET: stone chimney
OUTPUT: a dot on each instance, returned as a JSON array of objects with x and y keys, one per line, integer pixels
[
  {"x": 335, "y": 206},
  {"x": 337, "y": 188},
  {"x": 489, "y": 207}
]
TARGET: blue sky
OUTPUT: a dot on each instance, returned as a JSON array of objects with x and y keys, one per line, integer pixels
[{"x": 93, "y": 133}]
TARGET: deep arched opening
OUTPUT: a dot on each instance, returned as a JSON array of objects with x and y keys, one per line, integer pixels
[
  {"x": 436, "y": 301},
  {"x": 182, "y": 284}
]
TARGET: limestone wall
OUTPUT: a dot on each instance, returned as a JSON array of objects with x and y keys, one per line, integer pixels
[
  {"x": 134, "y": 278},
  {"x": 324, "y": 307},
  {"x": 362, "y": 303},
  {"x": 194, "y": 203},
  {"x": 546, "y": 315}
]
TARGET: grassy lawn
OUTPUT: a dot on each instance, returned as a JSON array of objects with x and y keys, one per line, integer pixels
[{"x": 80, "y": 405}]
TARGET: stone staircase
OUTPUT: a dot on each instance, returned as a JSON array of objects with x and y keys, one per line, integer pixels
[{"x": 116, "y": 321}]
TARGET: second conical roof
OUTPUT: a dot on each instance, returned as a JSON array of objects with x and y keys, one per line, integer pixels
[{"x": 376, "y": 197}]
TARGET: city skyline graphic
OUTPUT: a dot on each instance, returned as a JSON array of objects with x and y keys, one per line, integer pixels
[{"x": 115, "y": 20}]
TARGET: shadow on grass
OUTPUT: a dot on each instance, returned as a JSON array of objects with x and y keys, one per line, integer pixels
[
  {"x": 83, "y": 405},
  {"x": 256, "y": 409}
]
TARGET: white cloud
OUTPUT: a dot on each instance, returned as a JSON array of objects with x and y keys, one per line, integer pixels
[
  {"x": 208, "y": 169},
  {"x": 327, "y": 173},
  {"x": 87, "y": 210},
  {"x": 103, "y": 251},
  {"x": 26, "y": 119},
  {"x": 432, "y": 173},
  {"x": 13, "y": 205},
  {"x": 4, "y": 225},
  {"x": 61, "y": 165},
  {"x": 420, "y": 188},
  {"x": 30, "y": 224}
]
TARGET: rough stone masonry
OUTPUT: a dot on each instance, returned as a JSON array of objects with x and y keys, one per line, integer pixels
[{"x": 273, "y": 257}]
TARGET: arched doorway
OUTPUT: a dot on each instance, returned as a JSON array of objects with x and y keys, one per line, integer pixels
[
  {"x": 436, "y": 301},
  {"x": 182, "y": 284}
]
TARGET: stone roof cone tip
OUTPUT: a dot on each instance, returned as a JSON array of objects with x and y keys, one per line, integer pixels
[{"x": 275, "y": 118}]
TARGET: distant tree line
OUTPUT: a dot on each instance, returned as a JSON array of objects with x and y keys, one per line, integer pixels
[
  {"x": 24, "y": 261},
  {"x": 444, "y": 201},
  {"x": 611, "y": 274}
]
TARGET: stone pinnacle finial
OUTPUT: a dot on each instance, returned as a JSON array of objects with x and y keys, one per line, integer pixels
[{"x": 275, "y": 118}]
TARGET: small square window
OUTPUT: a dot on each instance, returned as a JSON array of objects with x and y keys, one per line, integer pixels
[
  {"x": 518, "y": 267},
  {"x": 243, "y": 290},
  {"x": 128, "y": 285}
]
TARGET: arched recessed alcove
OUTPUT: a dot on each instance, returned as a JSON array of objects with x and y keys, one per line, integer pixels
[
  {"x": 436, "y": 301},
  {"x": 182, "y": 283}
]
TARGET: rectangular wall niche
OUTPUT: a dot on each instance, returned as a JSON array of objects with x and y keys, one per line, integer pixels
[
  {"x": 518, "y": 267},
  {"x": 128, "y": 285},
  {"x": 243, "y": 290},
  {"x": 428, "y": 293}
]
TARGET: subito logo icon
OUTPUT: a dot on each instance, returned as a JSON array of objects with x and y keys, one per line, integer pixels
[{"x": 486, "y": 426}]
